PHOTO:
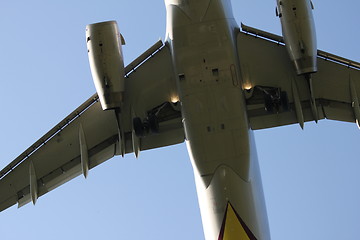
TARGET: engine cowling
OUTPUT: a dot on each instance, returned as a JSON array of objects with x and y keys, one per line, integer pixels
[
  {"x": 298, "y": 29},
  {"x": 106, "y": 62}
]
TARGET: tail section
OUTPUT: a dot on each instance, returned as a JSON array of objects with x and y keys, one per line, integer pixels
[{"x": 233, "y": 227}]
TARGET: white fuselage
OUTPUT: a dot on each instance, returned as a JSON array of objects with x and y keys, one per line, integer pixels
[{"x": 202, "y": 37}]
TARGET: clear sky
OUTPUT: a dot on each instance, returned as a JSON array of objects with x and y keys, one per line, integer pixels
[{"x": 310, "y": 176}]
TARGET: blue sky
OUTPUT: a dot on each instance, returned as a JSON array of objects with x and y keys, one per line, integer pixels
[{"x": 310, "y": 176}]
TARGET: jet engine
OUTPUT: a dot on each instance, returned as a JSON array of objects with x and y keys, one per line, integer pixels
[
  {"x": 106, "y": 62},
  {"x": 298, "y": 29}
]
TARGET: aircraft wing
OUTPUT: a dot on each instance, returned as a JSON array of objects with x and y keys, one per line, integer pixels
[
  {"x": 89, "y": 136},
  {"x": 266, "y": 68}
]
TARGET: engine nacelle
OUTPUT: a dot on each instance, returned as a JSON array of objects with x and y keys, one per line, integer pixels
[
  {"x": 106, "y": 62},
  {"x": 298, "y": 29}
]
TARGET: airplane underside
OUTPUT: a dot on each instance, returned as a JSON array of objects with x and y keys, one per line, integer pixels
[
  {"x": 231, "y": 207},
  {"x": 218, "y": 138},
  {"x": 209, "y": 84}
]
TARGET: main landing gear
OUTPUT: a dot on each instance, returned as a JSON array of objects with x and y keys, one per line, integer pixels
[
  {"x": 275, "y": 99},
  {"x": 150, "y": 125}
]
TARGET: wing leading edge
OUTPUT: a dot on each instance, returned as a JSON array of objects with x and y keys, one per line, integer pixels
[
  {"x": 89, "y": 136},
  {"x": 268, "y": 74}
]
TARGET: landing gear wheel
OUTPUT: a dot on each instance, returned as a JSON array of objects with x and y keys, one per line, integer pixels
[
  {"x": 269, "y": 107},
  {"x": 284, "y": 101},
  {"x": 153, "y": 123},
  {"x": 138, "y": 127}
]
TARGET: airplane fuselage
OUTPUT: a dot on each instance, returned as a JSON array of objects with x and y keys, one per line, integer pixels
[{"x": 202, "y": 37}]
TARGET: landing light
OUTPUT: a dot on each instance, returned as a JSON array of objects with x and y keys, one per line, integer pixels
[
  {"x": 247, "y": 86},
  {"x": 174, "y": 98}
]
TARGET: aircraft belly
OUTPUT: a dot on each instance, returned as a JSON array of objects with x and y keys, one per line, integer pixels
[
  {"x": 215, "y": 120},
  {"x": 223, "y": 152},
  {"x": 216, "y": 130},
  {"x": 224, "y": 159},
  {"x": 213, "y": 105}
]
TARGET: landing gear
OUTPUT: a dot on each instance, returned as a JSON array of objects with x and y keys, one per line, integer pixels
[
  {"x": 275, "y": 99},
  {"x": 269, "y": 105},
  {"x": 138, "y": 127},
  {"x": 142, "y": 128},
  {"x": 284, "y": 101},
  {"x": 153, "y": 123},
  {"x": 150, "y": 124}
]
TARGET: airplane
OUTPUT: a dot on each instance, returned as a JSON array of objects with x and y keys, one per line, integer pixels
[{"x": 143, "y": 153}]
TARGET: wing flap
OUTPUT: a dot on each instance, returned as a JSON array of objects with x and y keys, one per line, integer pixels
[
  {"x": 260, "y": 119},
  {"x": 265, "y": 66},
  {"x": 58, "y": 161},
  {"x": 338, "y": 111},
  {"x": 56, "y": 156}
]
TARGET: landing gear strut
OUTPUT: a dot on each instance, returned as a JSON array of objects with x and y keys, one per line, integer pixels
[
  {"x": 138, "y": 127},
  {"x": 150, "y": 124},
  {"x": 275, "y": 99}
]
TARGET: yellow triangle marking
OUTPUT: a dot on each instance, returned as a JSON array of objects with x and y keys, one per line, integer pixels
[{"x": 233, "y": 228}]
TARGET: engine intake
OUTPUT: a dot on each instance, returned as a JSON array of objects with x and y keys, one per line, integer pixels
[{"x": 106, "y": 62}]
